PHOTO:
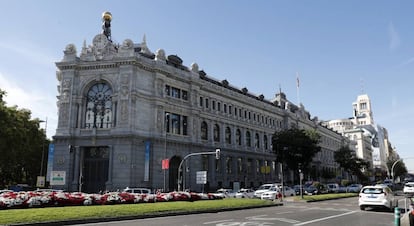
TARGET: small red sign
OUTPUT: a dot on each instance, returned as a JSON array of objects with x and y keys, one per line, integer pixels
[{"x": 165, "y": 163}]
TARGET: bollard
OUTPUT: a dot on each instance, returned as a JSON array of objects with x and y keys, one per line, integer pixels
[{"x": 397, "y": 215}]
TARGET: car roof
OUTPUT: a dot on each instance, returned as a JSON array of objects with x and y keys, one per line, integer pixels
[{"x": 410, "y": 182}]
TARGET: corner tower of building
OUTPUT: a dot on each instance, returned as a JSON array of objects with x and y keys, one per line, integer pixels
[{"x": 363, "y": 111}]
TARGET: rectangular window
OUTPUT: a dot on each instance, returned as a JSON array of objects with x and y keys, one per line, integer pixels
[
  {"x": 229, "y": 109},
  {"x": 184, "y": 95},
  {"x": 167, "y": 90},
  {"x": 218, "y": 106},
  {"x": 201, "y": 101},
  {"x": 213, "y": 105},
  {"x": 225, "y": 108},
  {"x": 175, "y": 92},
  {"x": 207, "y": 103}
]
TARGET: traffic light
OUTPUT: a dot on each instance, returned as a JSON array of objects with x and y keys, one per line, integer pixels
[{"x": 217, "y": 153}]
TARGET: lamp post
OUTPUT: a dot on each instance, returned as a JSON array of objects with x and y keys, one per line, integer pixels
[
  {"x": 165, "y": 145},
  {"x": 392, "y": 169},
  {"x": 43, "y": 149}
]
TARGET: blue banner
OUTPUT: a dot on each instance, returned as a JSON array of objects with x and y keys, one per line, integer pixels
[
  {"x": 50, "y": 156},
  {"x": 147, "y": 160}
]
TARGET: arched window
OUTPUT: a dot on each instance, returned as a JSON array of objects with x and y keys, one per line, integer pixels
[
  {"x": 256, "y": 141},
  {"x": 248, "y": 139},
  {"x": 228, "y": 135},
  {"x": 216, "y": 133},
  {"x": 99, "y": 106},
  {"x": 238, "y": 137},
  {"x": 204, "y": 131},
  {"x": 265, "y": 142}
]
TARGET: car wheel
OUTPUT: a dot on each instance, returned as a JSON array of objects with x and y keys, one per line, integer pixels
[{"x": 362, "y": 207}]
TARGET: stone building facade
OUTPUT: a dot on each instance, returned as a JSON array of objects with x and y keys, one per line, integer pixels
[{"x": 124, "y": 109}]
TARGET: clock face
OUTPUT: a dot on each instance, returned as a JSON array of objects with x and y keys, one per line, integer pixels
[{"x": 100, "y": 41}]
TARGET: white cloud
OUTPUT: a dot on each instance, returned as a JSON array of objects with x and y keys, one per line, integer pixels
[
  {"x": 394, "y": 37},
  {"x": 40, "y": 104}
]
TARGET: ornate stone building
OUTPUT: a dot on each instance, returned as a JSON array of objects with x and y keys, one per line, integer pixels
[{"x": 124, "y": 109}]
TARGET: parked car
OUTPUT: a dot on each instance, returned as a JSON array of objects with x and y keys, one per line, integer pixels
[
  {"x": 5, "y": 191},
  {"x": 377, "y": 196},
  {"x": 263, "y": 188},
  {"x": 271, "y": 194},
  {"x": 225, "y": 193},
  {"x": 409, "y": 189},
  {"x": 333, "y": 188},
  {"x": 314, "y": 190},
  {"x": 341, "y": 189},
  {"x": 245, "y": 193},
  {"x": 138, "y": 190},
  {"x": 297, "y": 189},
  {"x": 354, "y": 188},
  {"x": 288, "y": 191}
]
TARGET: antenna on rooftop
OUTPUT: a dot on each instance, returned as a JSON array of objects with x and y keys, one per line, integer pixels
[{"x": 362, "y": 85}]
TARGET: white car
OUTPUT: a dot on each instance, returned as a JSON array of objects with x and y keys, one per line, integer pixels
[
  {"x": 377, "y": 196},
  {"x": 225, "y": 193},
  {"x": 408, "y": 188},
  {"x": 245, "y": 193},
  {"x": 264, "y": 188},
  {"x": 272, "y": 194}
]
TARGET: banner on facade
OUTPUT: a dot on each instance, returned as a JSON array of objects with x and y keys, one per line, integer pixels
[
  {"x": 147, "y": 160},
  {"x": 50, "y": 158}
]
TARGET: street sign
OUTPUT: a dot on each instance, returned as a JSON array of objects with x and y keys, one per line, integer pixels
[
  {"x": 58, "y": 178},
  {"x": 40, "y": 181},
  {"x": 201, "y": 177}
]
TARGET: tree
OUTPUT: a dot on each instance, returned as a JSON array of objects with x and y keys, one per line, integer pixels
[
  {"x": 21, "y": 145},
  {"x": 295, "y": 148},
  {"x": 350, "y": 163}
]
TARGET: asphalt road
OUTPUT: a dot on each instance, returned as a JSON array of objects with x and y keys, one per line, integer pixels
[{"x": 341, "y": 212}]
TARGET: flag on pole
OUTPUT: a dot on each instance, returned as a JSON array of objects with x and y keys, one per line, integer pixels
[{"x": 297, "y": 80}]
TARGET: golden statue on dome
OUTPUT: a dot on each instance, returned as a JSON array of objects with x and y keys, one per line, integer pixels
[{"x": 106, "y": 26}]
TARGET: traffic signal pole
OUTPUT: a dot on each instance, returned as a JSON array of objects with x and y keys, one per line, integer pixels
[{"x": 217, "y": 153}]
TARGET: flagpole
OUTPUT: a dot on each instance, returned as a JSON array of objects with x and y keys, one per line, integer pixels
[{"x": 297, "y": 87}]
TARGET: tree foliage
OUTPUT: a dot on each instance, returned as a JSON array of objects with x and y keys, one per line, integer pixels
[
  {"x": 21, "y": 145},
  {"x": 295, "y": 148},
  {"x": 350, "y": 163}
]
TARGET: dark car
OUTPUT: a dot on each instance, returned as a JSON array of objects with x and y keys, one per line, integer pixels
[
  {"x": 297, "y": 189},
  {"x": 316, "y": 190}
]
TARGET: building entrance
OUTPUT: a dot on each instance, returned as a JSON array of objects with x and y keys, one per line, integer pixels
[
  {"x": 95, "y": 169},
  {"x": 173, "y": 173}
]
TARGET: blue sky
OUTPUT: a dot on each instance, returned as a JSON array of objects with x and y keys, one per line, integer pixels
[{"x": 340, "y": 49}]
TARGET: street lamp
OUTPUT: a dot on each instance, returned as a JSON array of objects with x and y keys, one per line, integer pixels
[
  {"x": 392, "y": 169},
  {"x": 167, "y": 115},
  {"x": 43, "y": 148}
]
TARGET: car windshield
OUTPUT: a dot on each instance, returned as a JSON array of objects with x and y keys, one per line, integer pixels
[
  {"x": 373, "y": 191},
  {"x": 409, "y": 185},
  {"x": 264, "y": 187}
]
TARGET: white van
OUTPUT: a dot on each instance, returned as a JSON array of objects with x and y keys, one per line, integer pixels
[{"x": 138, "y": 190}]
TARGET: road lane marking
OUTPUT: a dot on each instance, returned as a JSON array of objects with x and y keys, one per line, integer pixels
[
  {"x": 325, "y": 218},
  {"x": 217, "y": 222},
  {"x": 265, "y": 218}
]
